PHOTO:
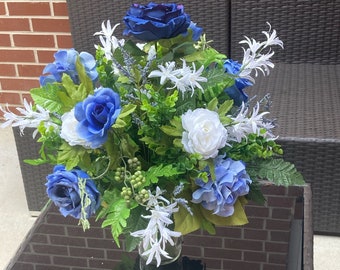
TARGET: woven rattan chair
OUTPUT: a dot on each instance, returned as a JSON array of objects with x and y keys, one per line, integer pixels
[
  {"x": 304, "y": 85},
  {"x": 304, "y": 88}
]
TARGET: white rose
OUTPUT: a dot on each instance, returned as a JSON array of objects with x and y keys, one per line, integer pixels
[
  {"x": 204, "y": 133},
  {"x": 68, "y": 130}
]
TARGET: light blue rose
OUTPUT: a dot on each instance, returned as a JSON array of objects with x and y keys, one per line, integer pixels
[
  {"x": 96, "y": 114},
  {"x": 219, "y": 195},
  {"x": 65, "y": 62},
  {"x": 63, "y": 190},
  {"x": 236, "y": 91}
]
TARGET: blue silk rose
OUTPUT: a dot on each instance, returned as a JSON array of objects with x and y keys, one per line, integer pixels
[
  {"x": 63, "y": 190},
  {"x": 65, "y": 62},
  {"x": 236, "y": 91},
  {"x": 158, "y": 21},
  {"x": 96, "y": 114},
  {"x": 220, "y": 195}
]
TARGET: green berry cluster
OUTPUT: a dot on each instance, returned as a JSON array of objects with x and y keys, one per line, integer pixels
[{"x": 134, "y": 181}]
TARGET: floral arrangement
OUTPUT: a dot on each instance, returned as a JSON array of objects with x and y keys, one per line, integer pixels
[{"x": 157, "y": 138}]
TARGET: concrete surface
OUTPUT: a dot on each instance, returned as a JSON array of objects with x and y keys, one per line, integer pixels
[{"x": 15, "y": 219}]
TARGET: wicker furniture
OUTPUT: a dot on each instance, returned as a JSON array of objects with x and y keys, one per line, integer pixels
[
  {"x": 278, "y": 236},
  {"x": 305, "y": 91}
]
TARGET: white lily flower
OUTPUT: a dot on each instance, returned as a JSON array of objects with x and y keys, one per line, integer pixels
[
  {"x": 167, "y": 72},
  {"x": 245, "y": 124},
  {"x": 28, "y": 118},
  {"x": 254, "y": 59}
]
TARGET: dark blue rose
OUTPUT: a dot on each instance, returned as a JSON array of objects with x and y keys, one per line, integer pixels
[
  {"x": 220, "y": 194},
  {"x": 156, "y": 21},
  {"x": 63, "y": 190},
  {"x": 236, "y": 91},
  {"x": 65, "y": 62},
  {"x": 96, "y": 114}
]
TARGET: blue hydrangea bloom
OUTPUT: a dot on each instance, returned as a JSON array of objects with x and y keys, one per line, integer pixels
[
  {"x": 65, "y": 62},
  {"x": 63, "y": 190},
  {"x": 220, "y": 195},
  {"x": 96, "y": 114},
  {"x": 156, "y": 21},
  {"x": 236, "y": 91}
]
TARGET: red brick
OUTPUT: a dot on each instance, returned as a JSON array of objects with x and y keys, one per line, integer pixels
[
  {"x": 17, "y": 24},
  {"x": 279, "y": 236},
  {"x": 253, "y": 256},
  {"x": 243, "y": 244},
  {"x": 276, "y": 247},
  {"x": 51, "y": 229},
  {"x": 16, "y": 56},
  {"x": 23, "y": 266},
  {"x": 37, "y": 258},
  {"x": 10, "y": 98},
  {"x": 274, "y": 190},
  {"x": 278, "y": 225},
  {"x": 211, "y": 263},
  {"x": 257, "y": 211},
  {"x": 7, "y": 70},
  {"x": 49, "y": 249},
  {"x": 278, "y": 258},
  {"x": 51, "y": 25},
  {"x": 2, "y": 9},
  {"x": 30, "y": 70},
  {"x": 192, "y": 251},
  {"x": 63, "y": 240},
  {"x": 5, "y": 40},
  {"x": 28, "y": 8},
  {"x": 60, "y": 9},
  {"x": 27, "y": 97},
  {"x": 274, "y": 201},
  {"x": 64, "y": 41},
  {"x": 59, "y": 260},
  {"x": 255, "y": 223},
  {"x": 50, "y": 267},
  {"x": 236, "y": 265},
  {"x": 230, "y": 232},
  {"x": 33, "y": 40},
  {"x": 46, "y": 56},
  {"x": 223, "y": 253},
  {"x": 101, "y": 264},
  {"x": 87, "y": 252},
  {"x": 19, "y": 84},
  {"x": 255, "y": 234},
  {"x": 282, "y": 213},
  {"x": 209, "y": 241},
  {"x": 274, "y": 266}
]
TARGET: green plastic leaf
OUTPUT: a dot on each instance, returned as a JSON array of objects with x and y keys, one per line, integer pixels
[
  {"x": 185, "y": 222},
  {"x": 117, "y": 215},
  {"x": 135, "y": 222},
  {"x": 278, "y": 171},
  {"x": 48, "y": 97},
  {"x": 155, "y": 172},
  {"x": 71, "y": 156},
  {"x": 237, "y": 219}
]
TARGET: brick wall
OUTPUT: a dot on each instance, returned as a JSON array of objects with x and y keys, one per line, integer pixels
[
  {"x": 30, "y": 32},
  {"x": 57, "y": 243}
]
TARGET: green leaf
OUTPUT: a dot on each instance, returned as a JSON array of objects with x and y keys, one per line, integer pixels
[
  {"x": 71, "y": 156},
  {"x": 48, "y": 97},
  {"x": 278, "y": 171},
  {"x": 155, "y": 172},
  {"x": 135, "y": 222},
  {"x": 185, "y": 222},
  {"x": 175, "y": 129},
  {"x": 117, "y": 215},
  {"x": 125, "y": 112},
  {"x": 238, "y": 218}
]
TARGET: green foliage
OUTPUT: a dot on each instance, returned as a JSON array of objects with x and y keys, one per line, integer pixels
[
  {"x": 278, "y": 171},
  {"x": 116, "y": 214},
  {"x": 155, "y": 172},
  {"x": 252, "y": 148}
]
